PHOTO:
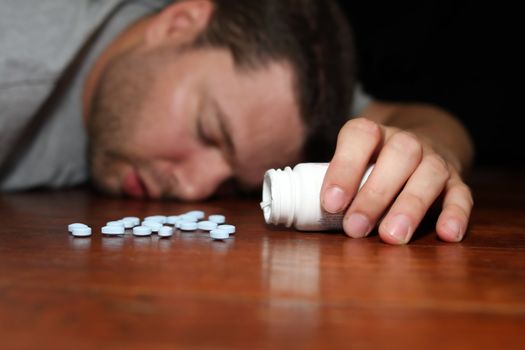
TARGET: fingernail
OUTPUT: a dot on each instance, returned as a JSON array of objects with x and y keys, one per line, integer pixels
[
  {"x": 399, "y": 228},
  {"x": 334, "y": 200},
  {"x": 357, "y": 226},
  {"x": 454, "y": 228}
]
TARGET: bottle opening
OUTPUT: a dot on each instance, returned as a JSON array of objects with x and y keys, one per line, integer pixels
[{"x": 266, "y": 204}]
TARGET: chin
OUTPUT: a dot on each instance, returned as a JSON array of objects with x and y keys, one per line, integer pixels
[{"x": 105, "y": 185}]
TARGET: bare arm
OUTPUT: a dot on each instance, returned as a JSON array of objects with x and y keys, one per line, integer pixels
[{"x": 439, "y": 127}]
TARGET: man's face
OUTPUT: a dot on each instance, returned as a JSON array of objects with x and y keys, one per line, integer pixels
[{"x": 201, "y": 123}]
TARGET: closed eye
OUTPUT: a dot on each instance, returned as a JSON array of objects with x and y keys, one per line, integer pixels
[{"x": 203, "y": 136}]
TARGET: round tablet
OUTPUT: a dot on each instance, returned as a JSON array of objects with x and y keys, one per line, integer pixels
[
  {"x": 198, "y": 214},
  {"x": 207, "y": 225},
  {"x": 112, "y": 230},
  {"x": 71, "y": 227},
  {"x": 131, "y": 220},
  {"x": 166, "y": 231},
  {"x": 153, "y": 225},
  {"x": 119, "y": 223},
  {"x": 158, "y": 218},
  {"x": 188, "y": 226},
  {"x": 141, "y": 231},
  {"x": 219, "y": 234},
  {"x": 172, "y": 220},
  {"x": 218, "y": 219},
  {"x": 81, "y": 231},
  {"x": 189, "y": 218},
  {"x": 229, "y": 228}
]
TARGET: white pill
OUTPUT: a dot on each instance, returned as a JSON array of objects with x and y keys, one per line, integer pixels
[
  {"x": 172, "y": 220},
  {"x": 207, "y": 225},
  {"x": 158, "y": 218},
  {"x": 153, "y": 225},
  {"x": 166, "y": 231},
  {"x": 130, "y": 221},
  {"x": 134, "y": 219},
  {"x": 219, "y": 234},
  {"x": 199, "y": 214},
  {"x": 188, "y": 226},
  {"x": 219, "y": 219},
  {"x": 189, "y": 218},
  {"x": 119, "y": 223},
  {"x": 112, "y": 230},
  {"x": 81, "y": 231},
  {"x": 71, "y": 227},
  {"x": 141, "y": 231},
  {"x": 230, "y": 228}
]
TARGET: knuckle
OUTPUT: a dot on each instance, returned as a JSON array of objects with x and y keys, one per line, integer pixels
[
  {"x": 437, "y": 165},
  {"x": 366, "y": 125},
  {"x": 407, "y": 143},
  {"x": 464, "y": 192},
  {"x": 414, "y": 203},
  {"x": 458, "y": 211},
  {"x": 375, "y": 192}
]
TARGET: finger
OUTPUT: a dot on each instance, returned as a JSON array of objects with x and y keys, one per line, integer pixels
[
  {"x": 410, "y": 207},
  {"x": 356, "y": 143},
  {"x": 457, "y": 207},
  {"x": 397, "y": 161}
]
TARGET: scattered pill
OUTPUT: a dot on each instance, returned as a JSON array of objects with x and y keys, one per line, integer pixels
[
  {"x": 219, "y": 234},
  {"x": 81, "y": 231},
  {"x": 153, "y": 225},
  {"x": 229, "y": 228},
  {"x": 135, "y": 219},
  {"x": 112, "y": 230},
  {"x": 188, "y": 226},
  {"x": 189, "y": 218},
  {"x": 71, "y": 227},
  {"x": 190, "y": 221},
  {"x": 130, "y": 221},
  {"x": 172, "y": 220},
  {"x": 142, "y": 231},
  {"x": 157, "y": 218},
  {"x": 218, "y": 219},
  {"x": 198, "y": 214},
  {"x": 166, "y": 231},
  {"x": 207, "y": 225},
  {"x": 119, "y": 223}
]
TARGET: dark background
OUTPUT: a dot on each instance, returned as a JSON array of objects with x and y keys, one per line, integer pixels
[{"x": 450, "y": 53}]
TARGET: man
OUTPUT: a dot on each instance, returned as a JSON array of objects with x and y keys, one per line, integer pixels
[{"x": 177, "y": 102}]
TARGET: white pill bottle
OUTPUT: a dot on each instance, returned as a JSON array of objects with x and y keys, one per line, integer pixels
[{"x": 292, "y": 197}]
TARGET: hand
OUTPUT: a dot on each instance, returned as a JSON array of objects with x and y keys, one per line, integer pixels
[{"x": 408, "y": 177}]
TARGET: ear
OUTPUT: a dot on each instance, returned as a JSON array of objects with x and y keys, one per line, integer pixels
[{"x": 180, "y": 22}]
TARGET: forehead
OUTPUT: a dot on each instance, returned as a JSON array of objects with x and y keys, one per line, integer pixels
[{"x": 261, "y": 107}]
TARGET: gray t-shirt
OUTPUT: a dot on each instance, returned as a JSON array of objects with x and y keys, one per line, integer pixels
[{"x": 46, "y": 50}]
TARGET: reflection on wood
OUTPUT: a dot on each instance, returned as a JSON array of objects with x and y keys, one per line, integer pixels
[{"x": 265, "y": 288}]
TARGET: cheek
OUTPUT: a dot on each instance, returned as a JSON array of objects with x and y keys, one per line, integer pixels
[
  {"x": 268, "y": 151},
  {"x": 107, "y": 172},
  {"x": 162, "y": 139},
  {"x": 164, "y": 133}
]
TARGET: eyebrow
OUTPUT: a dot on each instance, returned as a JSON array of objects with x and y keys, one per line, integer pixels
[{"x": 224, "y": 127}]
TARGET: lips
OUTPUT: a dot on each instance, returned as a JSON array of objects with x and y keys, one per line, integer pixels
[{"x": 133, "y": 185}]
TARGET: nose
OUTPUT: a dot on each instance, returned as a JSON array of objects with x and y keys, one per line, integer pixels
[{"x": 200, "y": 176}]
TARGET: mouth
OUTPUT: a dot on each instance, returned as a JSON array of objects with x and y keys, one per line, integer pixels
[{"x": 133, "y": 186}]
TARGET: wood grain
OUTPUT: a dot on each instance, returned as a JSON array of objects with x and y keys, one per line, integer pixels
[{"x": 267, "y": 288}]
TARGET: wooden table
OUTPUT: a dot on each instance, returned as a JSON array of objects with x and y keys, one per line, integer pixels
[{"x": 265, "y": 288}]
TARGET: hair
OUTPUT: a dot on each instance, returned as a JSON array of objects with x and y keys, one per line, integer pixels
[{"x": 314, "y": 37}]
